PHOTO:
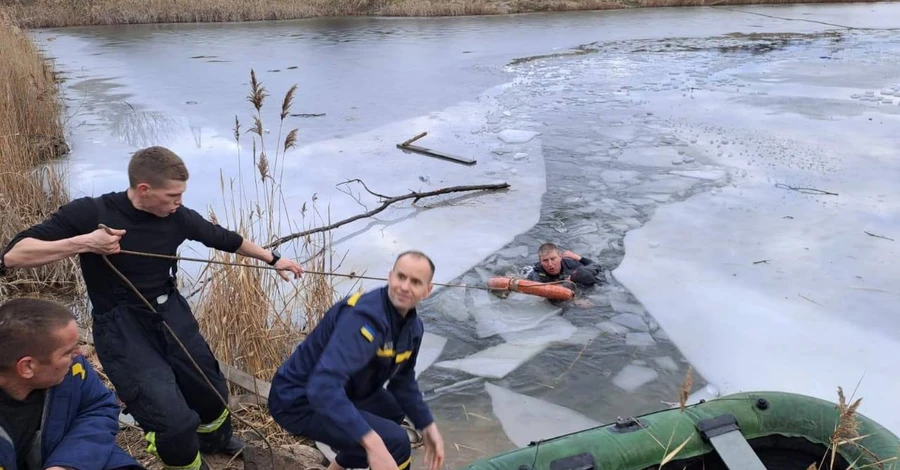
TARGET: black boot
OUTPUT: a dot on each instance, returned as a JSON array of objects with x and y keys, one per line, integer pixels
[{"x": 233, "y": 446}]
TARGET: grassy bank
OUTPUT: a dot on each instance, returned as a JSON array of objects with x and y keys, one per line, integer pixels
[
  {"x": 31, "y": 139},
  {"x": 58, "y": 13}
]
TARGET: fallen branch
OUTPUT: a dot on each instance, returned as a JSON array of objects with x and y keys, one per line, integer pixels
[
  {"x": 878, "y": 236},
  {"x": 806, "y": 190},
  {"x": 762, "y": 261},
  {"x": 433, "y": 153},
  {"x": 386, "y": 202}
]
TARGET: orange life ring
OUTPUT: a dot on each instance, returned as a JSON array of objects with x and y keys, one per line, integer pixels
[{"x": 548, "y": 291}]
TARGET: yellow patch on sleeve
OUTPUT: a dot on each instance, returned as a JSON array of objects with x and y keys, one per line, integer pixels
[{"x": 77, "y": 369}]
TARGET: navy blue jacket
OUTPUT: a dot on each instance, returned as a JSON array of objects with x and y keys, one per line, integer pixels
[
  {"x": 360, "y": 343},
  {"x": 79, "y": 426}
]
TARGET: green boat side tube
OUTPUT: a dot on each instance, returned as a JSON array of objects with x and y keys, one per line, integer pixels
[{"x": 736, "y": 432}]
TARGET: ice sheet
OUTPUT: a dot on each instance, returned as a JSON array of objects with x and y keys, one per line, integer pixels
[
  {"x": 431, "y": 348},
  {"x": 583, "y": 335},
  {"x": 552, "y": 329},
  {"x": 633, "y": 376},
  {"x": 780, "y": 277},
  {"x": 495, "y": 362},
  {"x": 518, "y": 312},
  {"x": 526, "y": 419},
  {"x": 515, "y": 136}
]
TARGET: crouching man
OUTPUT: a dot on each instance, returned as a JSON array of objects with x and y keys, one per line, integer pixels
[
  {"x": 55, "y": 414},
  {"x": 332, "y": 390}
]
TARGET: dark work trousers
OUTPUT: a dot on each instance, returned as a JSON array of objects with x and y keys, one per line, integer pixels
[
  {"x": 383, "y": 414},
  {"x": 159, "y": 385}
]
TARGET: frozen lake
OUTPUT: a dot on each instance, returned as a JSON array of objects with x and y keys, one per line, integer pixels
[{"x": 665, "y": 148}]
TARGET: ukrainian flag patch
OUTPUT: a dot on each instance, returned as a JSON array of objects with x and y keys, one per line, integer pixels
[{"x": 367, "y": 333}]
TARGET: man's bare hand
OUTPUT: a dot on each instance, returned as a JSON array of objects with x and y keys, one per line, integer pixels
[
  {"x": 376, "y": 452},
  {"x": 571, "y": 255},
  {"x": 434, "y": 447},
  {"x": 285, "y": 264},
  {"x": 103, "y": 242}
]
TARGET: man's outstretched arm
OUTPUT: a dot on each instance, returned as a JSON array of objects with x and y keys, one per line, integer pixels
[
  {"x": 69, "y": 231},
  {"x": 218, "y": 237}
]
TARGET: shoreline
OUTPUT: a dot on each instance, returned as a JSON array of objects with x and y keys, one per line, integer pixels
[{"x": 67, "y": 13}]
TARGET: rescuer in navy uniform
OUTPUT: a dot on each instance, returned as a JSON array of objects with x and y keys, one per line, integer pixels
[{"x": 332, "y": 390}]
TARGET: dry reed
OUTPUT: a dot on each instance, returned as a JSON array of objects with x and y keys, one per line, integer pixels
[
  {"x": 252, "y": 318},
  {"x": 58, "y": 13},
  {"x": 32, "y": 180}
]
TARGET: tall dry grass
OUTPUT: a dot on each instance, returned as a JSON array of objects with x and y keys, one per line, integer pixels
[
  {"x": 252, "y": 318},
  {"x": 32, "y": 180},
  {"x": 58, "y": 13}
]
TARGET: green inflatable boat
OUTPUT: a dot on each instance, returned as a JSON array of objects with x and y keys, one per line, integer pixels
[{"x": 746, "y": 431}]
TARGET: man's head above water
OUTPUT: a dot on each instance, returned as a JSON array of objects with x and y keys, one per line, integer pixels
[
  {"x": 550, "y": 258},
  {"x": 157, "y": 179},
  {"x": 410, "y": 280}
]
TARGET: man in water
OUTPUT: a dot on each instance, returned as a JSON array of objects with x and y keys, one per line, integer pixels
[
  {"x": 55, "y": 413},
  {"x": 332, "y": 390},
  {"x": 570, "y": 268}
]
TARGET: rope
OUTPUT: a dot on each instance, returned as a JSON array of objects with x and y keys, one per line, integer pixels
[
  {"x": 272, "y": 268},
  {"x": 184, "y": 348},
  {"x": 322, "y": 273}
]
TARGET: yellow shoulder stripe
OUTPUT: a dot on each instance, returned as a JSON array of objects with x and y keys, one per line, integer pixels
[
  {"x": 385, "y": 352},
  {"x": 78, "y": 369},
  {"x": 405, "y": 465},
  {"x": 403, "y": 356},
  {"x": 354, "y": 298}
]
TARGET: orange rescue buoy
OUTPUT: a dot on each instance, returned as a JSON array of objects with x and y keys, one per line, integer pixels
[{"x": 548, "y": 291}]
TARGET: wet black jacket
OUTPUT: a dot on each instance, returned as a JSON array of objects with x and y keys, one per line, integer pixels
[{"x": 582, "y": 272}]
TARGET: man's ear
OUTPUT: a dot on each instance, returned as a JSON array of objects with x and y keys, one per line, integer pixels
[
  {"x": 25, "y": 367},
  {"x": 428, "y": 290},
  {"x": 143, "y": 188}
]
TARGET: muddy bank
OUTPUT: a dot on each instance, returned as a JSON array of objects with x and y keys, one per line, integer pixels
[{"x": 56, "y": 13}]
